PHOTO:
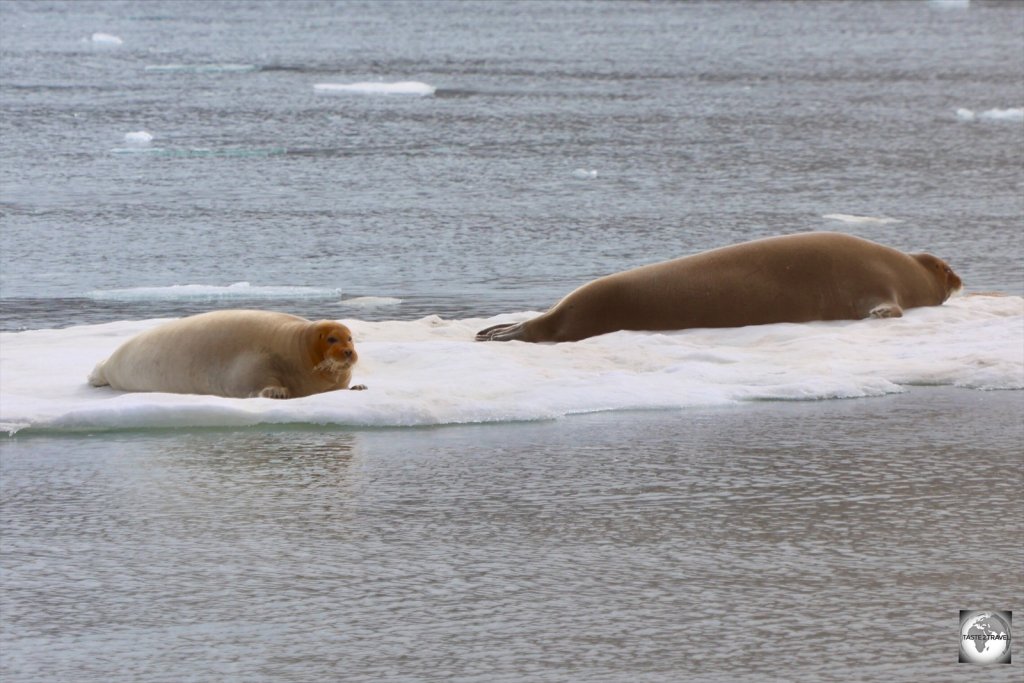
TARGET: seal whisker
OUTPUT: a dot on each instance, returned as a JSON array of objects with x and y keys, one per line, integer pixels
[{"x": 332, "y": 366}]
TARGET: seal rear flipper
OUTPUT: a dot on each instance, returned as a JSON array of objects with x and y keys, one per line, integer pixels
[
  {"x": 96, "y": 377},
  {"x": 886, "y": 310},
  {"x": 503, "y": 332}
]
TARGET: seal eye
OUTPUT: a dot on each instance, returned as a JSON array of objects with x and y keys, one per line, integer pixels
[{"x": 332, "y": 340}]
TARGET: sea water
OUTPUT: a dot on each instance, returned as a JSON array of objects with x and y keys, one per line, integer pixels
[{"x": 589, "y": 511}]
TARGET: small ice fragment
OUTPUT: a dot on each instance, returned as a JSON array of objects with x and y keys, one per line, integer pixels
[
  {"x": 139, "y": 137},
  {"x": 372, "y": 301},
  {"x": 1012, "y": 114},
  {"x": 106, "y": 39},
  {"x": 373, "y": 88},
  {"x": 584, "y": 174},
  {"x": 863, "y": 220}
]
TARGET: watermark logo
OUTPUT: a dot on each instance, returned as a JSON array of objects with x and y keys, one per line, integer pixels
[{"x": 984, "y": 636}]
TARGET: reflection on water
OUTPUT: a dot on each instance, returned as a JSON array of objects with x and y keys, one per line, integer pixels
[{"x": 734, "y": 543}]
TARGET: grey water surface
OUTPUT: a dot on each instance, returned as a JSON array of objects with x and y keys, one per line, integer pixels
[
  {"x": 706, "y": 123},
  {"x": 765, "y": 542}
]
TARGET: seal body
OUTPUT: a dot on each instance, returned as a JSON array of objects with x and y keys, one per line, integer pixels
[
  {"x": 793, "y": 278},
  {"x": 238, "y": 354}
]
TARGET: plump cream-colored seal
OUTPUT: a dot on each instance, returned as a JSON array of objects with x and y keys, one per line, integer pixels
[
  {"x": 238, "y": 354},
  {"x": 795, "y": 278}
]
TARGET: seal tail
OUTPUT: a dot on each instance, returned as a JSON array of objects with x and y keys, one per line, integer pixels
[{"x": 96, "y": 377}]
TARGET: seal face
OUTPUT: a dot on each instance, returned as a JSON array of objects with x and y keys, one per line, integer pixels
[
  {"x": 237, "y": 354},
  {"x": 793, "y": 278}
]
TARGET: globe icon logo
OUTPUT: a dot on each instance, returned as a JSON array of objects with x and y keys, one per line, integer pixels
[{"x": 984, "y": 637}]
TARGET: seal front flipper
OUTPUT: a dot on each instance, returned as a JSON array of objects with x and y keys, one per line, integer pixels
[
  {"x": 504, "y": 332},
  {"x": 97, "y": 378},
  {"x": 358, "y": 387},
  {"x": 886, "y": 310},
  {"x": 274, "y": 391}
]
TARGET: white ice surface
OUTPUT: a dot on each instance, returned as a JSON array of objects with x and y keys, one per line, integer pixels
[{"x": 431, "y": 372}]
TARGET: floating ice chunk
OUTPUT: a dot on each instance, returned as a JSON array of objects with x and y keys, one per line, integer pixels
[
  {"x": 106, "y": 39},
  {"x": 140, "y": 138},
  {"x": 860, "y": 220},
  {"x": 584, "y": 174},
  {"x": 372, "y": 301},
  {"x": 971, "y": 341},
  {"x": 238, "y": 290},
  {"x": 950, "y": 4},
  {"x": 374, "y": 88},
  {"x": 1011, "y": 114}
]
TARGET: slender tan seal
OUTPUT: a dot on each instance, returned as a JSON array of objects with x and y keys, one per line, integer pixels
[
  {"x": 238, "y": 354},
  {"x": 794, "y": 278}
]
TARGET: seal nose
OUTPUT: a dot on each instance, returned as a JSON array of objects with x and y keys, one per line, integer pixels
[
  {"x": 954, "y": 282},
  {"x": 348, "y": 353}
]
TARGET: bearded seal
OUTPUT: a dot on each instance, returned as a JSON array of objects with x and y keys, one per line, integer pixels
[
  {"x": 238, "y": 354},
  {"x": 793, "y": 278}
]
